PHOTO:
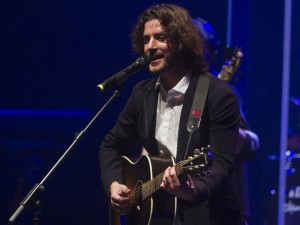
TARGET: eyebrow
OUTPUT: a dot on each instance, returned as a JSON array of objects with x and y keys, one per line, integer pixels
[{"x": 159, "y": 33}]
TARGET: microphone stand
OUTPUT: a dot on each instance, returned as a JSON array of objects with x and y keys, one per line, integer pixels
[{"x": 32, "y": 197}]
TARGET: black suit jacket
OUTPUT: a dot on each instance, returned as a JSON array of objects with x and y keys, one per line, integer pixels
[{"x": 217, "y": 194}]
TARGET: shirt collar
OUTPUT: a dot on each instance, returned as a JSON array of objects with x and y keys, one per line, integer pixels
[
  {"x": 176, "y": 95},
  {"x": 181, "y": 86}
]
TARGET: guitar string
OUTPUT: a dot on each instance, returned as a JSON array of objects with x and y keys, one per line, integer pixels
[
  {"x": 148, "y": 188},
  {"x": 152, "y": 185}
]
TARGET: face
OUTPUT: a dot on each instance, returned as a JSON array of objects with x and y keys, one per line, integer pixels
[{"x": 157, "y": 47}]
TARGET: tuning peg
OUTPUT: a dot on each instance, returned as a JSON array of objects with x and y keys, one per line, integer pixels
[{"x": 196, "y": 151}]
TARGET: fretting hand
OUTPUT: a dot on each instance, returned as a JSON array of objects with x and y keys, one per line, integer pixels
[{"x": 183, "y": 188}]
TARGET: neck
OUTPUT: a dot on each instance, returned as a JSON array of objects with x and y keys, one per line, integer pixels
[{"x": 170, "y": 78}]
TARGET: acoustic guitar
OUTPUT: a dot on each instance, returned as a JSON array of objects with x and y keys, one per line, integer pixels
[{"x": 150, "y": 204}]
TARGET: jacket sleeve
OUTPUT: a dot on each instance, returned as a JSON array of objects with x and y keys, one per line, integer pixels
[{"x": 120, "y": 140}]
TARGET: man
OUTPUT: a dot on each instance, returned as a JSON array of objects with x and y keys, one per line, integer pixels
[
  {"x": 248, "y": 141},
  {"x": 156, "y": 116}
]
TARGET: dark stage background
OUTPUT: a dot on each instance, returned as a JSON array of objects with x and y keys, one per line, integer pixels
[{"x": 54, "y": 53}]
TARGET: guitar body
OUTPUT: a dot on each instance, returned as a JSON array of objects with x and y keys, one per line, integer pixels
[
  {"x": 149, "y": 204},
  {"x": 159, "y": 208}
]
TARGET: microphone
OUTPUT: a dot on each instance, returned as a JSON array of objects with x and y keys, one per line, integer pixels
[{"x": 116, "y": 79}]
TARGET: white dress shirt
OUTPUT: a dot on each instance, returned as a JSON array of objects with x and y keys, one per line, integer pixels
[{"x": 169, "y": 108}]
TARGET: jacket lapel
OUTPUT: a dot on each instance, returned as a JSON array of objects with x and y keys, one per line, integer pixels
[{"x": 150, "y": 104}]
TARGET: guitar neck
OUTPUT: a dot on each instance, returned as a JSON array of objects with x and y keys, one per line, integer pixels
[
  {"x": 231, "y": 66},
  {"x": 151, "y": 186}
]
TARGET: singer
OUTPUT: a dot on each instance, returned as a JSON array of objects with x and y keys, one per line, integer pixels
[{"x": 156, "y": 115}]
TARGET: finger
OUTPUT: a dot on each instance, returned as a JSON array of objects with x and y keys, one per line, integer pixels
[
  {"x": 164, "y": 179},
  {"x": 119, "y": 191},
  {"x": 168, "y": 180},
  {"x": 172, "y": 179},
  {"x": 124, "y": 191},
  {"x": 187, "y": 182},
  {"x": 120, "y": 200},
  {"x": 121, "y": 208},
  {"x": 122, "y": 211},
  {"x": 163, "y": 183}
]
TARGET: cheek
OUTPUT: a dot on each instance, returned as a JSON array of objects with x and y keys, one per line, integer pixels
[
  {"x": 146, "y": 48},
  {"x": 165, "y": 47}
]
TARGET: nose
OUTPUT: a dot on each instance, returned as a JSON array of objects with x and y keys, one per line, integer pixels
[
  {"x": 152, "y": 43},
  {"x": 151, "y": 46}
]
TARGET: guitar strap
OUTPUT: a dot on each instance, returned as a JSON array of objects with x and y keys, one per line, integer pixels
[{"x": 199, "y": 100}]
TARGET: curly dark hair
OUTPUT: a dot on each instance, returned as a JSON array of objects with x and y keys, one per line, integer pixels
[{"x": 180, "y": 30}]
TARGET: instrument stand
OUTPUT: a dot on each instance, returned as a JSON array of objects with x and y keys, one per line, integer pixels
[
  {"x": 32, "y": 198},
  {"x": 37, "y": 214}
]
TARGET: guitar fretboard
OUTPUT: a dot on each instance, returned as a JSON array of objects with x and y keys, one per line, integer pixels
[{"x": 150, "y": 187}]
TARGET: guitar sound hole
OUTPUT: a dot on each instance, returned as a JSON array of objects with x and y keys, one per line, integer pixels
[{"x": 138, "y": 195}]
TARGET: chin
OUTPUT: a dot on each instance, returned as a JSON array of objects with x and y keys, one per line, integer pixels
[
  {"x": 159, "y": 69},
  {"x": 155, "y": 70}
]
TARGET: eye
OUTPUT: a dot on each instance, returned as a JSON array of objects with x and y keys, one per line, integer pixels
[
  {"x": 162, "y": 37},
  {"x": 146, "y": 40}
]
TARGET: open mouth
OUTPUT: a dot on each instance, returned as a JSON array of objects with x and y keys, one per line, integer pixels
[{"x": 156, "y": 58}]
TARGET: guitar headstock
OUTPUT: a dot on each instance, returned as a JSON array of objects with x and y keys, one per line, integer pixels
[
  {"x": 198, "y": 162},
  {"x": 234, "y": 58}
]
